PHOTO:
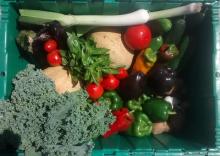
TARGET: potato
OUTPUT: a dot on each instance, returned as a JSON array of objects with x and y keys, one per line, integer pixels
[
  {"x": 62, "y": 79},
  {"x": 112, "y": 40},
  {"x": 160, "y": 127}
]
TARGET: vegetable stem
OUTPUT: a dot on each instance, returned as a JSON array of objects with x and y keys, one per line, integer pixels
[{"x": 172, "y": 113}]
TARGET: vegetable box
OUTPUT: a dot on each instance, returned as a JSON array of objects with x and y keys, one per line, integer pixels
[{"x": 202, "y": 75}]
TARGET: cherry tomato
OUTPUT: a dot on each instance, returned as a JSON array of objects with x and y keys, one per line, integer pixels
[
  {"x": 137, "y": 37},
  {"x": 50, "y": 45},
  {"x": 95, "y": 91},
  {"x": 122, "y": 73},
  {"x": 54, "y": 58},
  {"x": 110, "y": 82}
]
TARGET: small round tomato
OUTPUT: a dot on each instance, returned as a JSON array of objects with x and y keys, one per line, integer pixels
[
  {"x": 137, "y": 37},
  {"x": 95, "y": 91},
  {"x": 54, "y": 58},
  {"x": 122, "y": 73},
  {"x": 109, "y": 82},
  {"x": 50, "y": 45}
]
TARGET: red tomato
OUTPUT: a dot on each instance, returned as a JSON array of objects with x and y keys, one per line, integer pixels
[
  {"x": 109, "y": 82},
  {"x": 54, "y": 58},
  {"x": 122, "y": 73},
  {"x": 95, "y": 91},
  {"x": 137, "y": 37},
  {"x": 50, "y": 45}
]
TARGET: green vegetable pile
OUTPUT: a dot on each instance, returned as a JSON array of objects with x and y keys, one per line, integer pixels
[
  {"x": 51, "y": 123},
  {"x": 85, "y": 61}
]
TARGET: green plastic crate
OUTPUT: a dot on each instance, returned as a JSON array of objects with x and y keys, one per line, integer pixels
[{"x": 202, "y": 133}]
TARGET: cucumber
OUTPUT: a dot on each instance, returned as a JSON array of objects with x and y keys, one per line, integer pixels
[
  {"x": 175, "y": 34},
  {"x": 160, "y": 27},
  {"x": 166, "y": 24}
]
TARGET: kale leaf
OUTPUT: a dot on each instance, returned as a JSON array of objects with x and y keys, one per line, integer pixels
[{"x": 51, "y": 123}]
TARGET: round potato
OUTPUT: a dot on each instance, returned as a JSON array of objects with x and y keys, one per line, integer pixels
[
  {"x": 112, "y": 39},
  {"x": 62, "y": 79}
]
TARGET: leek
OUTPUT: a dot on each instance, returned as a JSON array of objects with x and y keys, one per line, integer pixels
[{"x": 137, "y": 17}]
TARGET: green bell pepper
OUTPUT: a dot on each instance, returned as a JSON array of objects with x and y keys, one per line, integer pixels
[
  {"x": 136, "y": 105},
  {"x": 157, "y": 109},
  {"x": 141, "y": 126},
  {"x": 115, "y": 100}
]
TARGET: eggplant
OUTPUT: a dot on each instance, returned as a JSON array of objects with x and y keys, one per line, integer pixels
[
  {"x": 161, "y": 80},
  {"x": 133, "y": 86},
  {"x": 177, "y": 121},
  {"x": 52, "y": 30}
]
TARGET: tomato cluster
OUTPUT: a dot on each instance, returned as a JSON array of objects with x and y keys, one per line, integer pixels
[
  {"x": 53, "y": 57},
  {"x": 109, "y": 82}
]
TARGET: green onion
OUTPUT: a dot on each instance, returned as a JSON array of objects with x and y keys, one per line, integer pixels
[{"x": 137, "y": 17}]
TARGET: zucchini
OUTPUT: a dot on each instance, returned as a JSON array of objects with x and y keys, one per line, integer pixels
[
  {"x": 160, "y": 27},
  {"x": 176, "y": 33}
]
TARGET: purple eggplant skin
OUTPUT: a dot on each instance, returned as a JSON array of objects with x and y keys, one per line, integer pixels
[
  {"x": 133, "y": 86},
  {"x": 52, "y": 30},
  {"x": 161, "y": 80}
]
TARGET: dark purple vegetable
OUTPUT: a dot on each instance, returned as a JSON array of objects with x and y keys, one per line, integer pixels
[
  {"x": 133, "y": 86},
  {"x": 161, "y": 80},
  {"x": 177, "y": 122},
  {"x": 51, "y": 30}
]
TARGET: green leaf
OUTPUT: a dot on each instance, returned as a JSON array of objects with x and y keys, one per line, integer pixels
[
  {"x": 64, "y": 61},
  {"x": 87, "y": 62}
]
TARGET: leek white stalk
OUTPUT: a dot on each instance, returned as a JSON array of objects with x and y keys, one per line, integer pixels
[{"x": 137, "y": 17}]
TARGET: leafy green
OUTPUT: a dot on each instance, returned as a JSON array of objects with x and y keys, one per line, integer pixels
[
  {"x": 51, "y": 123},
  {"x": 85, "y": 61}
]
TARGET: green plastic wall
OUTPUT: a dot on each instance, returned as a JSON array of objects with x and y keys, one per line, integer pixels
[{"x": 202, "y": 75}]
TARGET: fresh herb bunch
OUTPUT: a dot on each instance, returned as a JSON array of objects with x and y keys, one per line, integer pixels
[
  {"x": 51, "y": 123},
  {"x": 85, "y": 61}
]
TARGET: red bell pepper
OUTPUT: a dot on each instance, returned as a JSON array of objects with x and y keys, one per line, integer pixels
[{"x": 123, "y": 121}]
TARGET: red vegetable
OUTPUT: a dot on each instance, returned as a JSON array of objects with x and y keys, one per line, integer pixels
[
  {"x": 54, "y": 58},
  {"x": 50, "y": 45},
  {"x": 109, "y": 82},
  {"x": 122, "y": 73},
  {"x": 137, "y": 37},
  {"x": 95, "y": 91},
  {"x": 123, "y": 121}
]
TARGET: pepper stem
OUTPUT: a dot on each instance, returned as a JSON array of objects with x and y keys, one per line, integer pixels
[
  {"x": 131, "y": 112},
  {"x": 171, "y": 113}
]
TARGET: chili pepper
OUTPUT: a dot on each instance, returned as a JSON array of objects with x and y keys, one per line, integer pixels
[
  {"x": 123, "y": 121},
  {"x": 146, "y": 58},
  {"x": 156, "y": 43},
  {"x": 142, "y": 126},
  {"x": 168, "y": 52},
  {"x": 144, "y": 61},
  {"x": 184, "y": 46},
  {"x": 136, "y": 105},
  {"x": 157, "y": 109},
  {"x": 114, "y": 98}
]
